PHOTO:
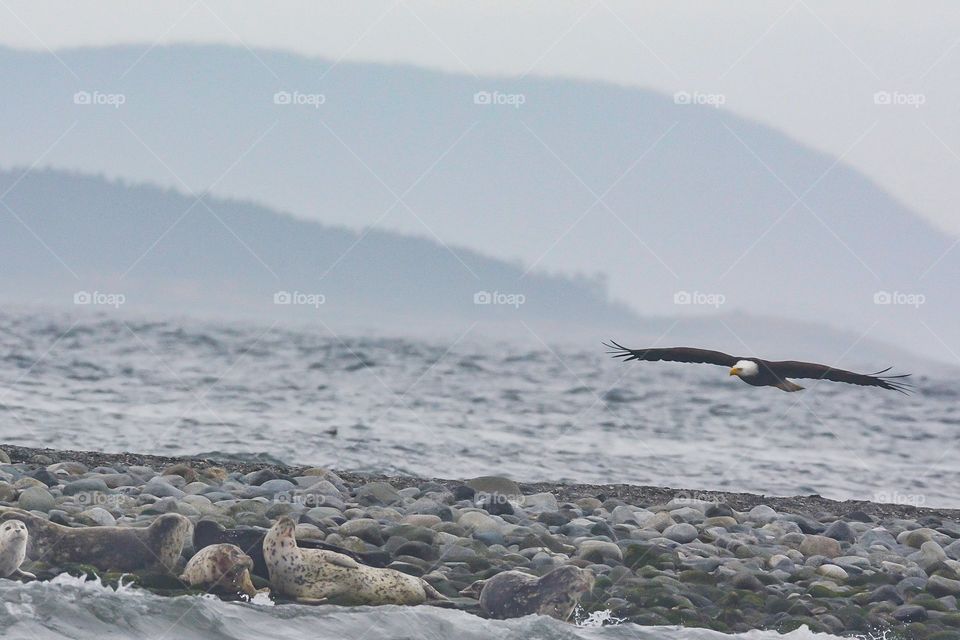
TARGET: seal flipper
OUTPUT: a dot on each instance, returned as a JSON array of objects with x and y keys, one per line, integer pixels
[
  {"x": 20, "y": 573},
  {"x": 432, "y": 593},
  {"x": 312, "y": 600},
  {"x": 341, "y": 560}
]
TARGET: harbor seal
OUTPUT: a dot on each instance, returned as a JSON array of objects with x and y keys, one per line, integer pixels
[
  {"x": 513, "y": 594},
  {"x": 315, "y": 576},
  {"x": 221, "y": 567},
  {"x": 13, "y": 549},
  {"x": 208, "y": 532},
  {"x": 106, "y": 548}
]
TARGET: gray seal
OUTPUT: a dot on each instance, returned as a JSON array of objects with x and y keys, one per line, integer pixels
[
  {"x": 314, "y": 575},
  {"x": 156, "y": 547},
  {"x": 13, "y": 549},
  {"x": 513, "y": 594}
]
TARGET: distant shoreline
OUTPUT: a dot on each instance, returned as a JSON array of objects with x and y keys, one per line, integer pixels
[{"x": 565, "y": 492}]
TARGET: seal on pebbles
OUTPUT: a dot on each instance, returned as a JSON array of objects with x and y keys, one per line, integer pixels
[
  {"x": 513, "y": 594},
  {"x": 314, "y": 575},
  {"x": 106, "y": 548},
  {"x": 208, "y": 532},
  {"x": 223, "y": 567},
  {"x": 13, "y": 549}
]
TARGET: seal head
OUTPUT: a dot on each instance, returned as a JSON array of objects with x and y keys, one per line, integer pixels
[
  {"x": 13, "y": 549},
  {"x": 221, "y": 567}
]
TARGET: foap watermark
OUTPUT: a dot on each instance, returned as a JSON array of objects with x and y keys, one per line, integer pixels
[
  {"x": 297, "y": 98},
  {"x": 699, "y": 298},
  {"x": 486, "y": 497},
  {"x": 900, "y": 298},
  {"x": 900, "y": 99},
  {"x": 99, "y": 98},
  {"x": 715, "y": 100},
  {"x": 299, "y": 298},
  {"x": 895, "y": 497},
  {"x": 499, "y": 298},
  {"x": 100, "y": 499},
  {"x": 99, "y": 298},
  {"x": 497, "y": 98},
  {"x": 308, "y": 500}
]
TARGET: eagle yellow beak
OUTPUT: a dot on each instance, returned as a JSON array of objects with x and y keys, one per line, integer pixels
[{"x": 735, "y": 371}]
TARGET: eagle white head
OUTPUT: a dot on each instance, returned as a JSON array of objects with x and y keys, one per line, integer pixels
[{"x": 745, "y": 369}]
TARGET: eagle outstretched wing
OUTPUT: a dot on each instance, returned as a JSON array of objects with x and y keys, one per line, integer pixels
[
  {"x": 794, "y": 369},
  {"x": 672, "y": 354}
]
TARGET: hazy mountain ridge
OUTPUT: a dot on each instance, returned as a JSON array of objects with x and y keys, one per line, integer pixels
[
  {"x": 691, "y": 208},
  {"x": 160, "y": 249}
]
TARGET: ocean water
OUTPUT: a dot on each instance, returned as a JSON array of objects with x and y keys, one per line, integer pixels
[
  {"x": 69, "y": 607},
  {"x": 431, "y": 409},
  {"x": 524, "y": 410}
]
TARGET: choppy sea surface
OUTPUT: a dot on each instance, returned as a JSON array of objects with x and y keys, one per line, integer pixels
[
  {"x": 72, "y": 608},
  {"x": 400, "y": 406}
]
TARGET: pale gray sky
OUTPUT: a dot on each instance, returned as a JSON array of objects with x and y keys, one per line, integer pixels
[{"x": 809, "y": 68}]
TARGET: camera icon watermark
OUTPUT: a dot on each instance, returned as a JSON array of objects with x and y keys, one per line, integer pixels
[
  {"x": 699, "y": 298},
  {"x": 900, "y": 99},
  {"x": 715, "y": 100},
  {"x": 99, "y": 298},
  {"x": 314, "y": 300},
  {"x": 98, "y": 98},
  {"x": 496, "y": 98},
  {"x": 900, "y": 298},
  {"x": 514, "y": 300},
  {"x": 297, "y": 98}
]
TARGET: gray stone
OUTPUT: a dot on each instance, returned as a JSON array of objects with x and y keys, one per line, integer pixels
[
  {"x": 97, "y": 516},
  {"x": 814, "y": 545},
  {"x": 317, "y": 514},
  {"x": 599, "y": 551},
  {"x": 540, "y": 502},
  {"x": 681, "y": 533},
  {"x": 158, "y": 486},
  {"x": 878, "y": 537},
  {"x": 687, "y": 514},
  {"x": 833, "y": 572},
  {"x": 36, "y": 499},
  {"x": 930, "y": 554},
  {"x": 278, "y": 485},
  {"x": 478, "y": 521},
  {"x": 841, "y": 531},
  {"x": 940, "y": 586},
  {"x": 86, "y": 485},
  {"x": 367, "y": 529},
  {"x": 498, "y": 485},
  {"x": 8, "y": 493},
  {"x": 910, "y": 613},
  {"x": 746, "y": 580},
  {"x": 377, "y": 493},
  {"x": 762, "y": 514}
]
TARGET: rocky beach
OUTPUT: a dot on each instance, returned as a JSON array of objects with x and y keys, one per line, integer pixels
[{"x": 730, "y": 562}]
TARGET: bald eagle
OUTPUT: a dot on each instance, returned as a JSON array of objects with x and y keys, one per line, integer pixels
[{"x": 763, "y": 373}]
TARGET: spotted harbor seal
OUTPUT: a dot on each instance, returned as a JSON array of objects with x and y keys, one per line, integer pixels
[
  {"x": 315, "y": 576},
  {"x": 208, "y": 532},
  {"x": 106, "y": 548},
  {"x": 221, "y": 567},
  {"x": 513, "y": 594},
  {"x": 13, "y": 549}
]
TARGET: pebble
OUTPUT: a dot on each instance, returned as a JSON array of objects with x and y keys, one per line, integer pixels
[
  {"x": 840, "y": 530},
  {"x": 674, "y": 561},
  {"x": 681, "y": 533},
  {"x": 816, "y": 545},
  {"x": 36, "y": 499}
]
